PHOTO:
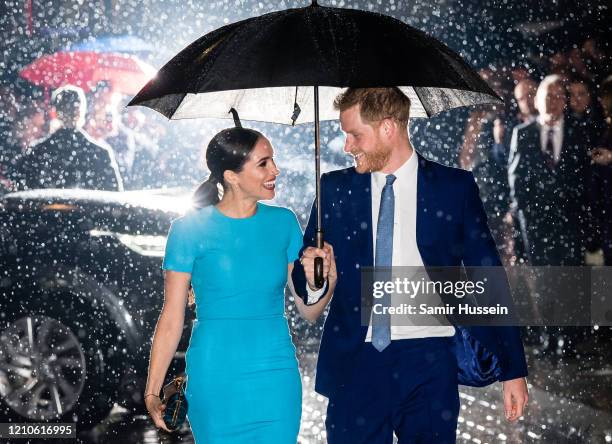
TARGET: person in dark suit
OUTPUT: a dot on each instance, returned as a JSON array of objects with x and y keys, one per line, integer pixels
[
  {"x": 601, "y": 181},
  {"x": 69, "y": 158},
  {"x": 548, "y": 174},
  {"x": 486, "y": 156},
  {"x": 396, "y": 208}
]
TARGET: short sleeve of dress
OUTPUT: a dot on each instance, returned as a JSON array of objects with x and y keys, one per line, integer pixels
[
  {"x": 180, "y": 249},
  {"x": 296, "y": 238}
]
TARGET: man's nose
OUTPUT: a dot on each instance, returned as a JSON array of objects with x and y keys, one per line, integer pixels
[{"x": 347, "y": 146}]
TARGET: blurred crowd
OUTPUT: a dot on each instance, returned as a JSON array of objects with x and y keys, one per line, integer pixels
[{"x": 543, "y": 160}]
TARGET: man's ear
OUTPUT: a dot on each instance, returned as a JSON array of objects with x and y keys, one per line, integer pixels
[{"x": 388, "y": 128}]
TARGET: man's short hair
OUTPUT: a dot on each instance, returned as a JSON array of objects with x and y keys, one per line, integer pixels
[
  {"x": 376, "y": 104},
  {"x": 69, "y": 102}
]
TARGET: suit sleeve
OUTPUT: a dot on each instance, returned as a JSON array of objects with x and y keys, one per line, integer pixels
[
  {"x": 482, "y": 261},
  {"x": 297, "y": 275},
  {"x": 518, "y": 172}
]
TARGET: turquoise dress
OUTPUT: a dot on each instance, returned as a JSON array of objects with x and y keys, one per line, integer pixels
[{"x": 243, "y": 381}]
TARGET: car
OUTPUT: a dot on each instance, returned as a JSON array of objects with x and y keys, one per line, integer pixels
[{"x": 81, "y": 288}]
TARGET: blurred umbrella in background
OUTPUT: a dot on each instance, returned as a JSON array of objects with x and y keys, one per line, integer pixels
[
  {"x": 121, "y": 44},
  {"x": 126, "y": 74}
]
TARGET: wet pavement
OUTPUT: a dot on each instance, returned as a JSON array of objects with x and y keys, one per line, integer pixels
[{"x": 569, "y": 403}]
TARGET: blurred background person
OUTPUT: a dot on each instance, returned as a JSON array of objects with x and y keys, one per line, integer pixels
[
  {"x": 24, "y": 123},
  {"x": 102, "y": 117},
  {"x": 484, "y": 152},
  {"x": 583, "y": 109},
  {"x": 548, "y": 170},
  {"x": 69, "y": 158},
  {"x": 549, "y": 173},
  {"x": 524, "y": 95},
  {"x": 601, "y": 185}
]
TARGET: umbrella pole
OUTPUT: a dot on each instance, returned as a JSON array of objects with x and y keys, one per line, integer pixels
[{"x": 319, "y": 281}]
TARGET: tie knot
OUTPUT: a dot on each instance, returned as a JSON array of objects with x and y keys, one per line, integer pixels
[{"x": 390, "y": 179}]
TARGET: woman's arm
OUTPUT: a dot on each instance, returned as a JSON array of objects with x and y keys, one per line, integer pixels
[{"x": 166, "y": 339}]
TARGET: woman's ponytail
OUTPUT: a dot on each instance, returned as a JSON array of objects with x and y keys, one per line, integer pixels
[
  {"x": 207, "y": 193},
  {"x": 229, "y": 149}
]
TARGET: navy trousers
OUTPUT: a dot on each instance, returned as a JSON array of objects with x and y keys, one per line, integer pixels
[{"x": 410, "y": 388}]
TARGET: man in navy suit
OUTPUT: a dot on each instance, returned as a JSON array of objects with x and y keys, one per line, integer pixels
[{"x": 396, "y": 208}]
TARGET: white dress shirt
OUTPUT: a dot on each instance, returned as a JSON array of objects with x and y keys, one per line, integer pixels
[
  {"x": 405, "y": 249},
  {"x": 557, "y": 129}
]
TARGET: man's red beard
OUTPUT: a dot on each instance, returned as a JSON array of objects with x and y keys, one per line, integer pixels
[{"x": 373, "y": 161}]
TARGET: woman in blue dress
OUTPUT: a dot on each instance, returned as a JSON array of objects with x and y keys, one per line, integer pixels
[{"x": 243, "y": 383}]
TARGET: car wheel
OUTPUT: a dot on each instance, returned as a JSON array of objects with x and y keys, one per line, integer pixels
[{"x": 51, "y": 364}]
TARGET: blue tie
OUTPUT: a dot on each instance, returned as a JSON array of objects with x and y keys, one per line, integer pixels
[{"x": 381, "y": 322}]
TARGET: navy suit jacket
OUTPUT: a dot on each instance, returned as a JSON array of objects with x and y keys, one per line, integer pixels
[
  {"x": 562, "y": 191},
  {"x": 451, "y": 230}
]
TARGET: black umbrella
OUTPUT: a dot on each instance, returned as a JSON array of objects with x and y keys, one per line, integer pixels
[{"x": 276, "y": 67}]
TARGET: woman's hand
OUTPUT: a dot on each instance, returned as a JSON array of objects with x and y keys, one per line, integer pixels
[
  {"x": 307, "y": 261},
  {"x": 312, "y": 312},
  {"x": 156, "y": 411},
  {"x": 166, "y": 338}
]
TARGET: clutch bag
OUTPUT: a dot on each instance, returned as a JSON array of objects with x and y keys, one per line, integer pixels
[{"x": 175, "y": 402}]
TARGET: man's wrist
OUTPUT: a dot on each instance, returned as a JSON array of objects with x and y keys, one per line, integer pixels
[{"x": 315, "y": 295}]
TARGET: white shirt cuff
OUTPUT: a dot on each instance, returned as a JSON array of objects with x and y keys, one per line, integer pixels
[{"x": 315, "y": 295}]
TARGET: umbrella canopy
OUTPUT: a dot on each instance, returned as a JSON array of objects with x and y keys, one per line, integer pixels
[
  {"x": 263, "y": 65},
  {"x": 127, "y": 74}
]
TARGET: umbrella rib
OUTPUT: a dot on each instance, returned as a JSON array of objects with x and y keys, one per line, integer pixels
[{"x": 416, "y": 92}]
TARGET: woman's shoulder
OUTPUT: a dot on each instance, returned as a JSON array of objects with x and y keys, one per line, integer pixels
[
  {"x": 193, "y": 218},
  {"x": 281, "y": 216},
  {"x": 276, "y": 211}
]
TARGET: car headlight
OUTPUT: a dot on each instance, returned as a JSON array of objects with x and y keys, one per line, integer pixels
[{"x": 146, "y": 245}]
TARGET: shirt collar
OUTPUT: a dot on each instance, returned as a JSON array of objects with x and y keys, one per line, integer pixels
[{"x": 556, "y": 126}]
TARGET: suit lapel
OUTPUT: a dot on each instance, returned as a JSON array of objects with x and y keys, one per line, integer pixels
[
  {"x": 361, "y": 214},
  {"x": 568, "y": 143},
  {"x": 426, "y": 209}
]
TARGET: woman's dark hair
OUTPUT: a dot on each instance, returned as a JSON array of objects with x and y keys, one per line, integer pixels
[{"x": 228, "y": 150}]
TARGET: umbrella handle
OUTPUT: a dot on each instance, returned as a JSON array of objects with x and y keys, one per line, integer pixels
[{"x": 318, "y": 263}]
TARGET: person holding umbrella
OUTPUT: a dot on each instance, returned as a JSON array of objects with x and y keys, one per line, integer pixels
[
  {"x": 383, "y": 379},
  {"x": 243, "y": 383},
  {"x": 286, "y": 67}
]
